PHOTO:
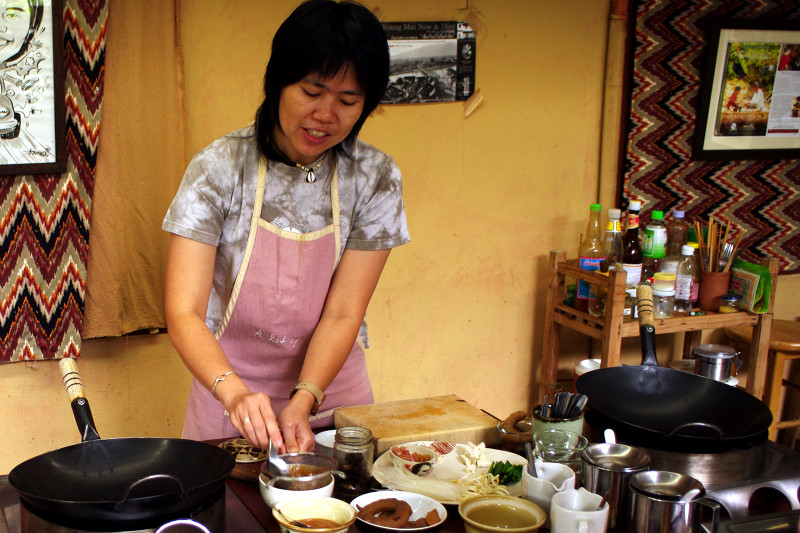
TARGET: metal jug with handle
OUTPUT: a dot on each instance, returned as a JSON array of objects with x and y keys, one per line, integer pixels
[{"x": 663, "y": 502}]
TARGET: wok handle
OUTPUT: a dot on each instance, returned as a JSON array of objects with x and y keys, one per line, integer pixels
[
  {"x": 647, "y": 332},
  {"x": 181, "y": 491},
  {"x": 80, "y": 406},
  {"x": 703, "y": 425}
]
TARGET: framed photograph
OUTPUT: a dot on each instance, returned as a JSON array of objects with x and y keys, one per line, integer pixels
[
  {"x": 749, "y": 104},
  {"x": 32, "y": 116}
]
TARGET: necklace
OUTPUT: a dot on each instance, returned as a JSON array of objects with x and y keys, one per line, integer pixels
[{"x": 310, "y": 176}]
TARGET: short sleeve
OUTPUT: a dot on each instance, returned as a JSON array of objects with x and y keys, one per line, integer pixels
[
  {"x": 380, "y": 219},
  {"x": 198, "y": 209}
]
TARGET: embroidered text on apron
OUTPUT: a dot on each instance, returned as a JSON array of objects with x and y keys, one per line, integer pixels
[{"x": 275, "y": 305}]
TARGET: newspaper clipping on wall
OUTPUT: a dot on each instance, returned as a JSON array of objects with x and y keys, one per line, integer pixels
[{"x": 430, "y": 62}]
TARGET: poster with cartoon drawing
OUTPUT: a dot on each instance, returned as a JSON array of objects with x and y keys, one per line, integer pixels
[{"x": 31, "y": 87}]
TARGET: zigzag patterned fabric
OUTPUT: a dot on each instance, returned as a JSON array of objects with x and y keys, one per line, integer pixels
[
  {"x": 760, "y": 196},
  {"x": 44, "y": 229}
]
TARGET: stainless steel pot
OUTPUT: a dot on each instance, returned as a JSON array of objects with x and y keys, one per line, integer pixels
[
  {"x": 666, "y": 502},
  {"x": 714, "y": 361}
]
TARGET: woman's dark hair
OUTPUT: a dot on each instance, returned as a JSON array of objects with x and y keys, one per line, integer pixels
[
  {"x": 324, "y": 36},
  {"x": 37, "y": 13}
]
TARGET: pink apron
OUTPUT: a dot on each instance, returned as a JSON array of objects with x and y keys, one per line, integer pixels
[{"x": 275, "y": 305}]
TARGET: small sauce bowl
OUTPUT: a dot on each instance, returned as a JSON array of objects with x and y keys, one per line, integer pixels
[{"x": 415, "y": 458}]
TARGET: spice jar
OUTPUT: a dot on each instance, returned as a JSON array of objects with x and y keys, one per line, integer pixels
[
  {"x": 663, "y": 303},
  {"x": 352, "y": 448},
  {"x": 629, "y": 311},
  {"x": 729, "y": 303}
]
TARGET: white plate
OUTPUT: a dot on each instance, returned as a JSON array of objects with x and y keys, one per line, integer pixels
[
  {"x": 446, "y": 469},
  {"x": 420, "y": 507}
]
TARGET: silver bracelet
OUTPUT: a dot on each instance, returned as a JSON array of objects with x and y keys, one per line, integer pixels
[{"x": 217, "y": 381}]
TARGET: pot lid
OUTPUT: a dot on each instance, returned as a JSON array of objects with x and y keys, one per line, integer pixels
[
  {"x": 714, "y": 351},
  {"x": 616, "y": 457},
  {"x": 668, "y": 486}
]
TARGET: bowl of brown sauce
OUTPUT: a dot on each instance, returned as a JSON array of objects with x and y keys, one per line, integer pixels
[
  {"x": 325, "y": 515},
  {"x": 309, "y": 475}
]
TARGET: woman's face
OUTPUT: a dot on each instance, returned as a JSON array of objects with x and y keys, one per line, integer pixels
[
  {"x": 15, "y": 19},
  {"x": 316, "y": 114}
]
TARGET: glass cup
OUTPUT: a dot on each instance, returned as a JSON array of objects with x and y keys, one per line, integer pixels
[{"x": 560, "y": 446}]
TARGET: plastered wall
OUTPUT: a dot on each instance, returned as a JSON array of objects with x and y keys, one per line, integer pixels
[{"x": 459, "y": 309}]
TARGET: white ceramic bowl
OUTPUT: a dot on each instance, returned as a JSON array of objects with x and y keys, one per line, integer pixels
[
  {"x": 420, "y": 507},
  {"x": 324, "y": 441},
  {"x": 500, "y": 514},
  {"x": 420, "y": 467},
  {"x": 273, "y": 495},
  {"x": 327, "y": 508}
]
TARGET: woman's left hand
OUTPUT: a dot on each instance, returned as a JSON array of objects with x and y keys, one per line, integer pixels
[{"x": 295, "y": 428}]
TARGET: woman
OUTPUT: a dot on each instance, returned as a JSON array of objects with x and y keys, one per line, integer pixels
[{"x": 280, "y": 233}]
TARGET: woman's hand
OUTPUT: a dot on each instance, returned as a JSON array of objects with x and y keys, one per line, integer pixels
[
  {"x": 251, "y": 413},
  {"x": 294, "y": 424}
]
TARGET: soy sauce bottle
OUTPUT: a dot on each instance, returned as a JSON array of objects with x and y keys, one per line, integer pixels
[{"x": 631, "y": 248}]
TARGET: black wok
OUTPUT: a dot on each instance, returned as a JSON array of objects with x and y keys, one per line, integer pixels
[
  {"x": 666, "y": 409},
  {"x": 119, "y": 480}
]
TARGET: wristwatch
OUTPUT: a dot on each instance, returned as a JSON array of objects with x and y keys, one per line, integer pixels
[{"x": 319, "y": 396}]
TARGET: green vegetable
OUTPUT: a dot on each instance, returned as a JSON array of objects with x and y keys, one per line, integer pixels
[{"x": 507, "y": 472}]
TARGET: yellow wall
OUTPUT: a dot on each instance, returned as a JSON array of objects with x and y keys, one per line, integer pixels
[{"x": 459, "y": 309}]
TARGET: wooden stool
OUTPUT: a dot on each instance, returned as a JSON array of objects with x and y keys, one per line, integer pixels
[{"x": 784, "y": 344}]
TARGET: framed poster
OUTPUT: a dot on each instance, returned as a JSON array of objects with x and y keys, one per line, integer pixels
[
  {"x": 750, "y": 100},
  {"x": 430, "y": 62},
  {"x": 32, "y": 134}
]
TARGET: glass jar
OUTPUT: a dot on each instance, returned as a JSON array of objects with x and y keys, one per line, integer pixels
[
  {"x": 663, "y": 303},
  {"x": 729, "y": 303},
  {"x": 629, "y": 311},
  {"x": 352, "y": 448}
]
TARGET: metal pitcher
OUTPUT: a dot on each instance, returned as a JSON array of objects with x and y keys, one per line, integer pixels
[{"x": 666, "y": 502}]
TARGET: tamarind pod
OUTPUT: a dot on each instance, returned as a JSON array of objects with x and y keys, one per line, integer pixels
[
  {"x": 510, "y": 423},
  {"x": 386, "y": 512}
]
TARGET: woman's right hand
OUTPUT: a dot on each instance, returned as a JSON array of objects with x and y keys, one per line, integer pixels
[{"x": 251, "y": 413}]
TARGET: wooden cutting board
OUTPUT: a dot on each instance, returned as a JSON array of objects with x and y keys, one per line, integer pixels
[{"x": 440, "y": 418}]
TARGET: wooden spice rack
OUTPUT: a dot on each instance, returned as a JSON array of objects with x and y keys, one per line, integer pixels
[{"x": 611, "y": 328}]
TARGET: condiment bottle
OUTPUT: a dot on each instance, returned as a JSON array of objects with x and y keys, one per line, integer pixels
[
  {"x": 687, "y": 282},
  {"x": 677, "y": 231},
  {"x": 653, "y": 244},
  {"x": 612, "y": 239},
  {"x": 598, "y": 294},
  {"x": 629, "y": 311},
  {"x": 353, "y": 450},
  {"x": 590, "y": 254},
  {"x": 631, "y": 249}
]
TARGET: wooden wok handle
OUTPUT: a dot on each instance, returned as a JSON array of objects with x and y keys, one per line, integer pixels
[
  {"x": 71, "y": 378},
  {"x": 644, "y": 304}
]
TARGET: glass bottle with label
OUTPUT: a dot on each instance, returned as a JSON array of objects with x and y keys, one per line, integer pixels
[
  {"x": 612, "y": 239},
  {"x": 654, "y": 244},
  {"x": 686, "y": 283},
  {"x": 590, "y": 254},
  {"x": 631, "y": 248}
]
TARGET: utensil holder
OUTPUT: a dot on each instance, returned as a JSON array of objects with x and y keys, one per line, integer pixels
[
  {"x": 712, "y": 286},
  {"x": 543, "y": 423}
]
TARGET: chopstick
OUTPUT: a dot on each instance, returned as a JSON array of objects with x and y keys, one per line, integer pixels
[{"x": 712, "y": 245}]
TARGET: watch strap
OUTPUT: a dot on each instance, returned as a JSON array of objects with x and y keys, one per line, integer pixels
[{"x": 318, "y": 393}]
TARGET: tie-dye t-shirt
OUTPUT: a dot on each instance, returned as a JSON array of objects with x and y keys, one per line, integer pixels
[{"x": 214, "y": 203}]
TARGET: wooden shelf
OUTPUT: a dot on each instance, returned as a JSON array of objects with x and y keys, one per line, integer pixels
[{"x": 611, "y": 329}]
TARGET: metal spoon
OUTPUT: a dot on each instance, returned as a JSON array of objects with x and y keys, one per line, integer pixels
[
  {"x": 531, "y": 459},
  {"x": 291, "y": 521},
  {"x": 276, "y": 461}
]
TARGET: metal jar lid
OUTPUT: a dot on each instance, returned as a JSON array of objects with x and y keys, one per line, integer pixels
[
  {"x": 714, "y": 351},
  {"x": 668, "y": 486},
  {"x": 615, "y": 457}
]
